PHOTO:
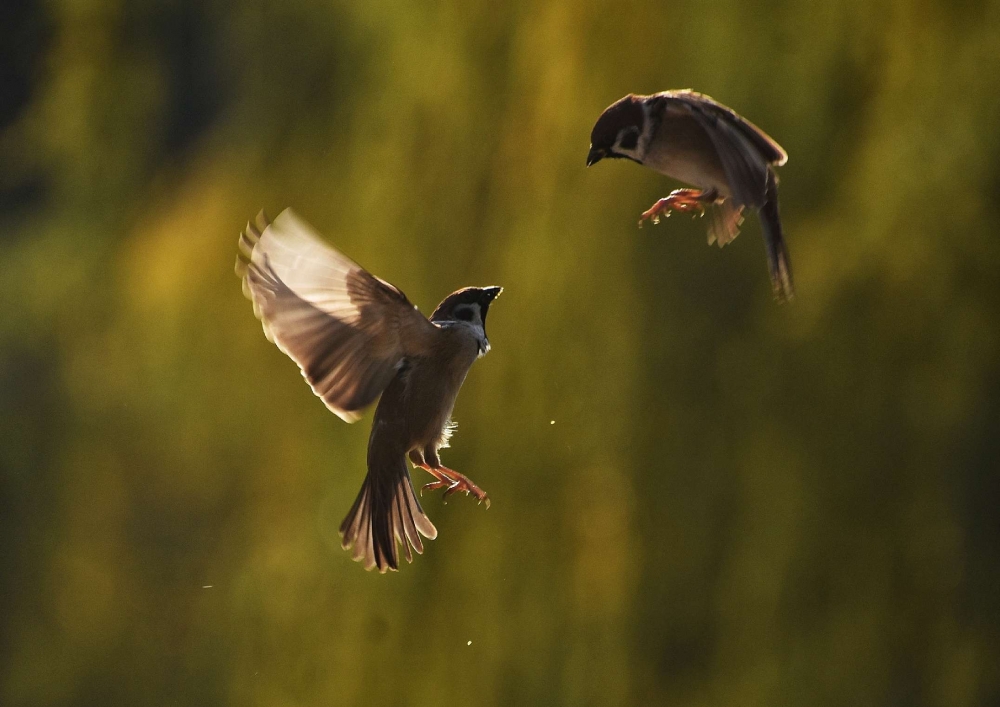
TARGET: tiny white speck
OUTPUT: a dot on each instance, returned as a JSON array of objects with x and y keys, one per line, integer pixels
[
  {"x": 469, "y": 643},
  {"x": 206, "y": 586},
  {"x": 552, "y": 422}
]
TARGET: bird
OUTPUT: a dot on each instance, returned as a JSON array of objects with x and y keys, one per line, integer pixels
[
  {"x": 356, "y": 337},
  {"x": 695, "y": 139}
]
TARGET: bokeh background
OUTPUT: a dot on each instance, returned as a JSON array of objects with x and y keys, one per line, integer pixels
[{"x": 699, "y": 497}]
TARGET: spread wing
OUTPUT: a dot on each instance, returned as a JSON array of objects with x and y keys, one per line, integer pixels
[
  {"x": 746, "y": 151},
  {"x": 346, "y": 329}
]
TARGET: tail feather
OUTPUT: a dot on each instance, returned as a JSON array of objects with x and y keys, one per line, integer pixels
[
  {"x": 386, "y": 512},
  {"x": 725, "y": 219},
  {"x": 779, "y": 265}
]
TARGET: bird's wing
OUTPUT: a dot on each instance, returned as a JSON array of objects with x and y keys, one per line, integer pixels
[
  {"x": 771, "y": 150},
  {"x": 346, "y": 329},
  {"x": 745, "y": 150}
]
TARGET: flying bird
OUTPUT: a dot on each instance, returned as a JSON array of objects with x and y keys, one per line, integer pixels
[
  {"x": 694, "y": 139},
  {"x": 356, "y": 337}
]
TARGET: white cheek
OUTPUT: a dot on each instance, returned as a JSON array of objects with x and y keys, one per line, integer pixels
[
  {"x": 634, "y": 154},
  {"x": 647, "y": 131}
]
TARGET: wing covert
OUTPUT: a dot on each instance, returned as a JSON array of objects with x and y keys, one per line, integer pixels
[
  {"x": 347, "y": 330},
  {"x": 746, "y": 152}
]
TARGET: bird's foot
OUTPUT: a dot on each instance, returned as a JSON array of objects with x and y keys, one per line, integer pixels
[
  {"x": 683, "y": 200},
  {"x": 452, "y": 482}
]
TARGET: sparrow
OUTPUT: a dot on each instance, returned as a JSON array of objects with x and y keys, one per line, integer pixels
[
  {"x": 697, "y": 140},
  {"x": 356, "y": 337}
]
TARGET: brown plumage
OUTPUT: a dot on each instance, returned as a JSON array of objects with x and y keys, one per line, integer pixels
[
  {"x": 694, "y": 139},
  {"x": 355, "y": 337}
]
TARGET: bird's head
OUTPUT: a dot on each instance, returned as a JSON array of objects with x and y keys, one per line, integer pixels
[
  {"x": 618, "y": 131},
  {"x": 468, "y": 306}
]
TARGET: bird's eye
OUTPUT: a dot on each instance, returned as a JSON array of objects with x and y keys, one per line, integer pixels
[
  {"x": 464, "y": 313},
  {"x": 629, "y": 138}
]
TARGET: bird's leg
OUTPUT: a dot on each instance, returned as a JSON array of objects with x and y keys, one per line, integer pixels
[
  {"x": 683, "y": 200},
  {"x": 452, "y": 481}
]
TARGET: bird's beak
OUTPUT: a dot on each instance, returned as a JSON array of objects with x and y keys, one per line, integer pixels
[
  {"x": 595, "y": 155},
  {"x": 491, "y": 293}
]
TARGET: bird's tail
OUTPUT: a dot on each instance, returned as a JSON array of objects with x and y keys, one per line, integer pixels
[
  {"x": 385, "y": 512},
  {"x": 777, "y": 254},
  {"x": 725, "y": 219}
]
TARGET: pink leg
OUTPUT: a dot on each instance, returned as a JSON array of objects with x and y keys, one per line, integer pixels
[
  {"x": 452, "y": 481},
  {"x": 683, "y": 200}
]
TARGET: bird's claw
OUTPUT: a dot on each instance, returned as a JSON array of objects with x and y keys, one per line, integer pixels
[
  {"x": 684, "y": 200},
  {"x": 453, "y": 482}
]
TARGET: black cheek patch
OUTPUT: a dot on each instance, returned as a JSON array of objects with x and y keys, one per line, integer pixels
[{"x": 630, "y": 139}]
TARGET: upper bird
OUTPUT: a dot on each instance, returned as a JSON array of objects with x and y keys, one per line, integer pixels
[
  {"x": 694, "y": 139},
  {"x": 355, "y": 336}
]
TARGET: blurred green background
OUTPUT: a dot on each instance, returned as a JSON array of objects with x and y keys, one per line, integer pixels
[{"x": 699, "y": 497}]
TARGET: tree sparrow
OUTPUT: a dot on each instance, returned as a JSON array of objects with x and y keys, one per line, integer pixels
[
  {"x": 355, "y": 336},
  {"x": 692, "y": 138}
]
